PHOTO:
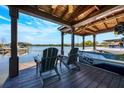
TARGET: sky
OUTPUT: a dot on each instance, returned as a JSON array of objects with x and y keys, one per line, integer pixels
[{"x": 37, "y": 31}]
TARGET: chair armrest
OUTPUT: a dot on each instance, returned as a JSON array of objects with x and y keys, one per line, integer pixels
[
  {"x": 49, "y": 57},
  {"x": 73, "y": 54},
  {"x": 62, "y": 56},
  {"x": 36, "y": 59}
]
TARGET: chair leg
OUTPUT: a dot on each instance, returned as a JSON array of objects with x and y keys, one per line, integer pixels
[
  {"x": 67, "y": 66},
  {"x": 56, "y": 70},
  {"x": 41, "y": 78},
  {"x": 37, "y": 68},
  {"x": 77, "y": 65}
]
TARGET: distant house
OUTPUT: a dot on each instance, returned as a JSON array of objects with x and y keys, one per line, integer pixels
[
  {"x": 23, "y": 44},
  {"x": 114, "y": 43}
]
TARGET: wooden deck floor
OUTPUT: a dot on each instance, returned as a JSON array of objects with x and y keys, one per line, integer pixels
[{"x": 88, "y": 77}]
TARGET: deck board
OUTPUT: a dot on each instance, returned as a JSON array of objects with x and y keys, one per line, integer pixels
[
  {"x": 72, "y": 77},
  {"x": 97, "y": 81},
  {"x": 90, "y": 79},
  {"x": 115, "y": 82},
  {"x": 121, "y": 85},
  {"x": 88, "y": 76},
  {"x": 106, "y": 81}
]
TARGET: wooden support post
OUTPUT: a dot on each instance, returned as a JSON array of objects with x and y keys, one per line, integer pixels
[
  {"x": 62, "y": 43},
  {"x": 94, "y": 42},
  {"x": 72, "y": 39},
  {"x": 83, "y": 43},
  {"x": 13, "y": 61}
]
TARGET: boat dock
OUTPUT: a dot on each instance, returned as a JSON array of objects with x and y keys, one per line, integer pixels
[
  {"x": 116, "y": 51},
  {"x": 89, "y": 77}
]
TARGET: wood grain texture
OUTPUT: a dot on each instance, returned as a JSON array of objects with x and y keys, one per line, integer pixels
[{"x": 88, "y": 76}]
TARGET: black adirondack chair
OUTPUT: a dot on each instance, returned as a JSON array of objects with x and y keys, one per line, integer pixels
[
  {"x": 71, "y": 59},
  {"x": 48, "y": 61}
]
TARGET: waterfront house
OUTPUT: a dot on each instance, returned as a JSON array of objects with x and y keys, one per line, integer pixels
[{"x": 115, "y": 43}]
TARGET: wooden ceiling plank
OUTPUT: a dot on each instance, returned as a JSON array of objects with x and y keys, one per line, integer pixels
[
  {"x": 64, "y": 13},
  {"x": 54, "y": 9},
  {"x": 91, "y": 32},
  {"x": 89, "y": 29},
  {"x": 85, "y": 14},
  {"x": 79, "y": 10},
  {"x": 101, "y": 15},
  {"x": 85, "y": 30},
  {"x": 94, "y": 26},
  {"x": 40, "y": 14}
]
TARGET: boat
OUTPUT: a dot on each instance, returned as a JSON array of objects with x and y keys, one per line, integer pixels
[{"x": 92, "y": 58}]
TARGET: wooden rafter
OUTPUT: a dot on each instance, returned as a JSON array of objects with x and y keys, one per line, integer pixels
[
  {"x": 69, "y": 12},
  {"x": 116, "y": 20},
  {"x": 105, "y": 25},
  {"x": 106, "y": 30},
  {"x": 85, "y": 30},
  {"x": 40, "y": 14},
  {"x": 85, "y": 13},
  {"x": 66, "y": 10},
  {"x": 105, "y": 13},
  {"x": 79, "y": 10},
  {"x": 59, "y": 10},
  {"x": 102, "y": 21},
  {"x": 90, "y": 30},
  {"x": 101, "y": 31},
  {"x": 107, "y": 19},
  {"x": 54, "y": 7},
  {"x": 94, "y": 26},
  {"x": 97, "y": 7}
]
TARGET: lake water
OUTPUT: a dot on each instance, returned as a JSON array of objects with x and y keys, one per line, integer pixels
[{"x": 33, "y": 51}]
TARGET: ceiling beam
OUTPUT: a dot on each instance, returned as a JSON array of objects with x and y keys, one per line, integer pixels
[
  {"x": 79, "y": 10},
  {"x": 87, "y": 31},
  {"x": 33, "y": 11},
  {"x": 103, "y": 31},
  {"x": 90, "y": 29},
  {"x": 85, "y": 14},
  {"x": 116, "y": 20},
  {"x": 101, "y": 15},
  {"x": 54, "y": 7},
  {"x": 64, "y": 13},
  {"x": 105, "y": 25},
  {"x": 94, "y": 26},
  {"x": 98, "y": 32}
]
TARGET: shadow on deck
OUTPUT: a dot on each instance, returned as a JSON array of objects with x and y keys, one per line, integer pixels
[{"x": 88, "y": 77}]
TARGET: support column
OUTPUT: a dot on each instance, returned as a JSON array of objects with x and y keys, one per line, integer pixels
[
  {"x": 94, "y": 42},
  {"x": 72, "y": 39},
  {"x": 83, "y": 43},
  {"x": 13, "y": 61},
  {"x": 62, "y": 43}
]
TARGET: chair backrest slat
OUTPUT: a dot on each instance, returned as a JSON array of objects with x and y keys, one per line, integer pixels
[
  {"x": 49, "y": 59},
  {"x": 73, "y": 56}
]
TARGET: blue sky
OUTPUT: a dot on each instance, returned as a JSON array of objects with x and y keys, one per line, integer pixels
[{"x": 38, "y": 31}]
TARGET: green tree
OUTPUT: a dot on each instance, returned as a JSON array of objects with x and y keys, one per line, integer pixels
[{"x": 88, "y": 43}]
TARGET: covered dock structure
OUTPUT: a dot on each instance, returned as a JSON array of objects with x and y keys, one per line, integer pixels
[{"x": 82, "y": 20}]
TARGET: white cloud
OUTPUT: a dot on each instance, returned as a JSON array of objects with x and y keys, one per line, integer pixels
[
  {"x": 28, "y": 33},
  {"x": 38, "y": 23},
  {"x": 29, "y": 23},
  {"x": 4, "y": 18}
]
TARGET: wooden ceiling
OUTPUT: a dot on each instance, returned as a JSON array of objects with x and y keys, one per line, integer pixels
[{"x": 86, "y": 19}]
